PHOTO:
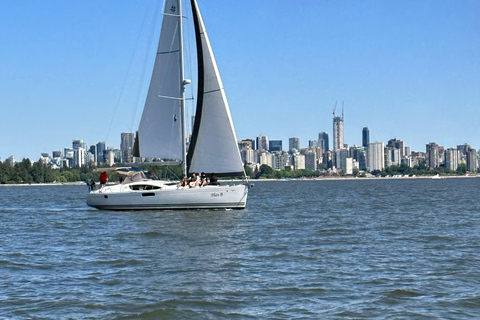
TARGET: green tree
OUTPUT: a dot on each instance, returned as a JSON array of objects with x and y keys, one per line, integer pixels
[
  {"x": 462, "y": 169},
  {"x": 248, "y": 171},
  {"x": 22, "y": 172},
  {"x": 266, "y": 172},
  {"x": 355, "y": 172}
]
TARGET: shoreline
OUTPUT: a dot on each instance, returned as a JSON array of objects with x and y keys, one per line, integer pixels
[{"x": 79, "y": 183}]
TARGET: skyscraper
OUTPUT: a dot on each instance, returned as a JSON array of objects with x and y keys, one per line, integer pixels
[
  {"x": 338, "y": 132},
  {"x": 262, "y": 143},
  {"x": 365, "y": 137},
  {"x": 432, "y": 154},
  {"x": 101, "y": 146},
  {"x": 397, "y": 144},
  {"x": 275, "y": 145},
  {"x": 126, "y": 147},
  {"x": 93, "y": 151},
  {"x": 452, "y": 157},
  {"x": 472, "y": 160},
  {"x": 293, "y": 143},
  {"x": 376, "y": 156},
  {"x": 79, "y": 144},
  {"x": 323, "y": 141}
]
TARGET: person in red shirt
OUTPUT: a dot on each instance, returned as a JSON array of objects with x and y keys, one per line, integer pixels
[{"x": 103, "y": 178}]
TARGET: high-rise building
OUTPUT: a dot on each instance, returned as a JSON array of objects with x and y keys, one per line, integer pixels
[
  {"x": 365, "y": 137},
  {"x": 376, "y": 156},
  {"x": 471, "y": 160},
  {"x": 312, "y": 143},
  {"x": 244, "y": 144},
  {"x": 397, "y": 144},
  {"x": 299, "y": 161},
  {"x": 248, "y": 155},
  {"x": 338, "y": 132},
  {"x": 432, "y": 155},
  {"x": 79, "y": 157},
  {"x": 392, "y": 157},
  {"x": 265, "y": 158},
  {"x": 279, "y": 160},
  {"x": 358, "y": 154},
  {"x": 93, "y": 151},
  {"x": 56, "y": 154},
  {"x": 109, "y": 156},
  {"x": 463, "y": 148},
  {"x": 293, "y": 144},
  {"x": 323, "y": 141},
  {"x": 452, "y": 157},
  {"x": 311, "y": 161},
  {"x": 79, "y": 144},
  {"x": 101, "y": 147},
  {"x": 275, "y": 145},
  {"x": 126, "y": 147},
  {"x": 341, "y": 156},
  {"x": 408, "y": 151},
  {"x": 262, "y": 143}
]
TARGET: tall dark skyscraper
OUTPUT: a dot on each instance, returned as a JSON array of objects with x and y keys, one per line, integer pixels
[
  {"x": 101, "y": 147},
  {"x": 323, "y": 141},
  {"x": 365, "y": 137},
  {"x": 275, "y": 145}
]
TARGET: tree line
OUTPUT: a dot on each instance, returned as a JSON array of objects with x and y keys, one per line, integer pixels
[{"x": 26, "y": 172}]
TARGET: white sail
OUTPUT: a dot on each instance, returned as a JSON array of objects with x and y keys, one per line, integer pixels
[
  {"x": 160, "y": 130},
  {"x": 215, "y": 147}
]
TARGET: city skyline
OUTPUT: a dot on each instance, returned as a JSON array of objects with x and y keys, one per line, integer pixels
[
  {"x": 406, "y": 70},
  {"x": 261, "y": 143}
]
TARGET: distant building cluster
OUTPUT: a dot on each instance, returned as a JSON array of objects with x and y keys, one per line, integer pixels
[
  {"x": 370, "y": 156},
  {"x": 81, "y": 155}
]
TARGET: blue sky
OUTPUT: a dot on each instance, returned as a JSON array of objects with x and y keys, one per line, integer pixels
[{"x": 406, "y": 69}]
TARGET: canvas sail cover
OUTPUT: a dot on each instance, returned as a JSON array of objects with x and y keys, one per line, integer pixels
[
  {"x": 160, "y": 130},
  {"x": 214, "y": 145}
]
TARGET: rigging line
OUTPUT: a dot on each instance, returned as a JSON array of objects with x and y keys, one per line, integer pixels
[{"x": 126, "y": 76}]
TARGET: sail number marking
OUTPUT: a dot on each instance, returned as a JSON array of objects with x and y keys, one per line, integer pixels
[{"x": 217, "y": 194}]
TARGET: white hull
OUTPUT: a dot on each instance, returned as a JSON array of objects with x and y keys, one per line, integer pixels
[{"x": 154, "y": 194}]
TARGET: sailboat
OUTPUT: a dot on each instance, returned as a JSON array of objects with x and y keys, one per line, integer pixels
[{"x": 213, "y": 147}]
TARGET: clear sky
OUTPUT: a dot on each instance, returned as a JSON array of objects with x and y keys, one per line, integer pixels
[{"x": 406, "y": 69}]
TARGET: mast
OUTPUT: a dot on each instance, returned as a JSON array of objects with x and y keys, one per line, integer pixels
[{"x": 184, "y": 83}]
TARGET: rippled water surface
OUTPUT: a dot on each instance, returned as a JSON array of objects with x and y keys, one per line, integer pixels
[{"x": 356, "y": 249}]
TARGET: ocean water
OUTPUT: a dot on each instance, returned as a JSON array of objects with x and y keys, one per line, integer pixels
[{"x": 353, "y": 249}]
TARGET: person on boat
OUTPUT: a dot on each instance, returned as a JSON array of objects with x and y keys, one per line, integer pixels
[
  {"x": 183, "y": 181},
  {"x": 193, "y": 182},
  {"x": 103, "y": 178},
  {"x": 203, "y": 179},
  {"x": 151, "y": 175},
  {"x": 214, "y": 180},
  {"x": 91, "y": 185}
]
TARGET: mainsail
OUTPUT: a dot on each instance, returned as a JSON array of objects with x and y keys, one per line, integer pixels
[
  {"x": 213, "y": 147},
  {"x": 160, "y": 130}
]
